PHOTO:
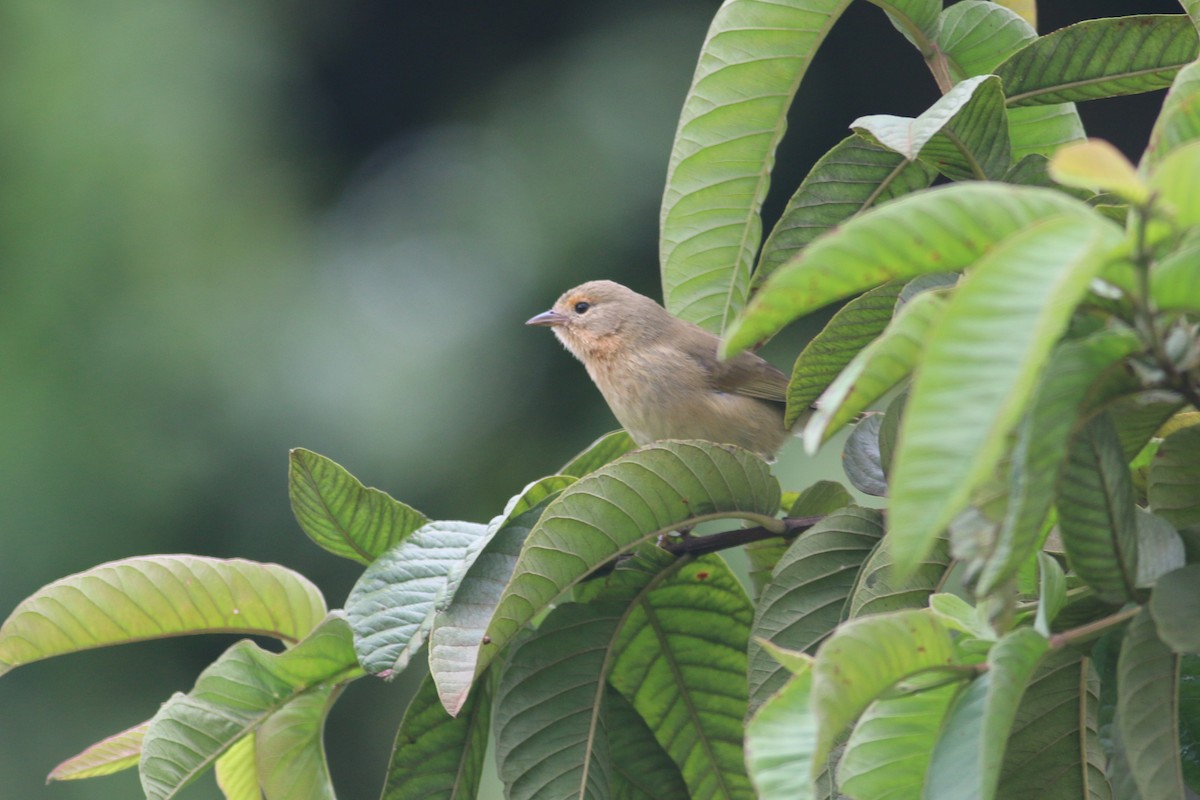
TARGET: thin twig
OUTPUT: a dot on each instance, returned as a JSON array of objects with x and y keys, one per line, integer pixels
[{"x": 698, "y": 545}]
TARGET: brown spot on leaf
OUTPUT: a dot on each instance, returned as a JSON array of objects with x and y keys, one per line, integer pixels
[
  {"x": 701, "y": 576},
  {"x": 487, "y": 640}
]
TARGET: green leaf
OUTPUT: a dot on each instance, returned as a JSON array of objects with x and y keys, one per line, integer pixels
[
  {"x": 918, "y": 20},
  {"x": 237, "y": 772},
  {"x": 1179, "y": 121},
  {"x": 818, "y": 500},
  {"x": 232, "y": 697},
  {"x": 977, "y": 35},
  {"x": 780, "y": 739},
  {"x": 887, "y": 755},
  {"x": 642, "y": 770},
  {"x": 549, "y": 714},
  {"x": 1098, "y": 166},
  {"x": 340, "y": 514},
  {"x": 598, "y": 453},
  {"x": 1063, "y": 392},
  {"x": 680, "y": 659},
  {"x": 391, "y": 606},
  {"x": 803, "y": 602},
  {"x": 865, "y": 657},
  {"x": 939, "y": 230},
  {"x": 290, "y": 747},
  {"x": 1096, "y": 512},
  {"x": 979, "y": 367},
  {"x": 152, "y": 597},
  {"x": 1159, "y": 548},
  {"x": 880, "y": 589},
  {"x": 1100, "y": 58},
  {"x": 1147, "y": 710},
  {"x": 862, "y": 460},
  {"x": 610, "y": 512},
  {"x": 876, "y": 370},
  {"x": 1189, "y": 719},
  {"x": 1175, "y": 281},
  {"x": 1052, "y": 592},
  {"x": 751, "y": 64},
  {"x": 1175, "y": 605},
  {"x": 435, "y": 754},
  {"x": 963, "y": 135},
  {"x": 1040, "y": 130},
  {"x": 462, "y": 611},
  {"x": 854, "y": 176},
  {"x": 1174, "y": 487},
  {"x": 851, "y": 329},
  {"x": 1054, "y": 750},
  {"x": 970, "y": 748},
  {"x": 111, "y": 754}
]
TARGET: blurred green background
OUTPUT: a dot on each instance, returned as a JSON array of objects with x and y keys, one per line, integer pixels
[{"x": 227, "y": 229}]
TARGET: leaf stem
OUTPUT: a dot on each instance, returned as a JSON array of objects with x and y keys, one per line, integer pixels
[
  {"x": 1085, "y": 632},
  {"x": 699, "y": 545}
]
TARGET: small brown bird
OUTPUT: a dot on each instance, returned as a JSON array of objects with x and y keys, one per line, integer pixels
[{"x": 661, "y": 375}]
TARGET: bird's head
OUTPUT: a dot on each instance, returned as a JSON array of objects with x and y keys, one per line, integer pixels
[{"x": 601, "y": 318}]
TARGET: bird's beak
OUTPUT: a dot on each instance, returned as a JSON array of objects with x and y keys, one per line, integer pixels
[{"x": 548, "y": 318}]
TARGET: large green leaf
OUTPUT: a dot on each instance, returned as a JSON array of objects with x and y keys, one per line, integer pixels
[
  {"x": 976, "y": 35},
  {"x": 152, "y": 597},
  {"x": 1054, "y": 750},
  {"x": 864, "y": 658},
  {"x": 340, "y": 514},
  {"x": 854, "y": 176},
  {"x": 599, "y": 453},
  {"x": 918, "y": 20},
  {"x": 462, "y": 610},
  {"x": 875, "y": 370},
  {"x": 436, "y": 755},
  {"x": 290, "y": 747},
  {"x": 110, "y": 754},
  {"x": 1174, "y": 486},
  {"x": 233, "y": 697},
  {"x": 1100, "y": 58},
  {"x": 963, "y": 135},
  {"x": 880, "y": 589},
  {"x": 549, "y": 714},
  {"x": 611, "y": 511},
  {"x": 751, "y": 64},
  {"x": 642, "y": 770},
  {"x": 818, "y": 500},
  {"x": 1175, "y": 606},
  {"x": 780, "y": 740},
  {"x": 851, "y": 329},
  {"x": 237, "y": 771},
  {"x": 1147, "y": 709},
  {"x": 887, "y": 755},
  {"x": 1040, "y": 452},
  {"x": 1096, "y": 512},
  {"x": 680, "y": 660},
  {"x": 978, "y": 370},
  {"x": 391, "y": 606},
  {"x": 1179, "y": 121},
  {"x": 1175, "y": 281},
  {"x": 1041, "y": 130},
  {"x": 970, "y": 748},
  {"x": 803, "y": 602},
  {"x": 939, "y": 230}
]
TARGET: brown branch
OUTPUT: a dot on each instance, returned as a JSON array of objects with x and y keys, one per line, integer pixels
[
  {"x": 699, "y": 545},
  {"x": 1092, "y": 629}
]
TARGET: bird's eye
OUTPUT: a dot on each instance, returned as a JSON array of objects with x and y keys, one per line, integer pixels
[{"x": 581, "y": 307}]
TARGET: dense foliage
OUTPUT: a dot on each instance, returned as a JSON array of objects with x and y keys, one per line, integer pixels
[{"x": 1018, "y": 358}]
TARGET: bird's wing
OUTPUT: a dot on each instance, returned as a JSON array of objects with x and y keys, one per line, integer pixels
[{"x": 744, "y": 374}]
